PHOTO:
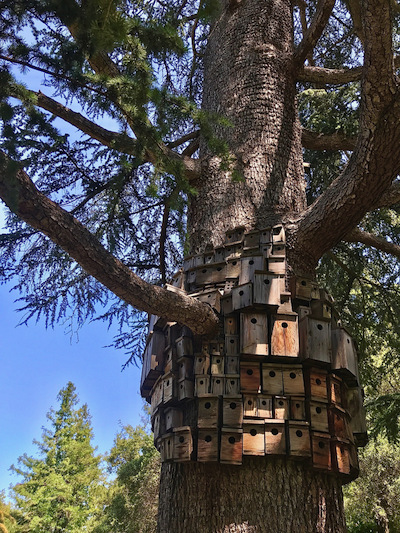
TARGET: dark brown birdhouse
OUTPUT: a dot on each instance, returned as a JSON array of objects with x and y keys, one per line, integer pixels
[
  {"x": 232, "y": 344},
  {"x": 355, "y": 408},
  {"x": 285, "y": 335},
  {"x": 321, "y": 450},
  {"x": 185, "y": 368},
  {"x": 340, "y": 456},
  {"x": 184, "y": 347},
  {"x": 231, "y": 446},
  {"x": 339, "y": 423},
  {"x": 232, "y": 364},
  {"x": 316, "y": 384},
  {"x": 335, "y": 389},
  {"x": 153, "y": 361},
  {"x": 250, "y": 377},
  {"x": 253, "y": 437},
  {"x": 169, "y": 388},
  {"x": 157, "y": 395},
  {"x": 231, "y": 326},
  {"x": 185, "y": 389},
  {"x": 254, "y": 334},
  {"x": 232, "y": 384},
  {"x": 218, "y": 384}
]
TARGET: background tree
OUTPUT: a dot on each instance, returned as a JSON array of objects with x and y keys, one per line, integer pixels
[
  {"x": 146, "y": 65},
  {"x": 133, "y": 496},
  {"x": 61, "y": 489}
]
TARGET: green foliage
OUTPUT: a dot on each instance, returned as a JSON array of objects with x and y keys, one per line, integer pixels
[
  {"x": 133, "y": 497},
  {"x": 8, "y": 522},
  {"x": 60, "y": 490},
  {"x": 372, "y": 501}
]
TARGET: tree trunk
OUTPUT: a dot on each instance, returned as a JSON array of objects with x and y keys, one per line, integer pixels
[
  {"x": 249, "y": 80},
  {"x": 263, "y": 496}
]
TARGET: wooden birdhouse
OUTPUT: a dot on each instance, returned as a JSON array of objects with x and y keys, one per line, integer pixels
[
  {"x": 184, "y": 347},
  {"x": 209, "y": 258},
  {"x": 216, "y": 348},
  {"x": 232, "y": 344},
  {"x": 242, "y": 296},
  {"x": 219, "y": 255},
  {"x": 315, "y": 340},
  {"x": 285, "y": 335},
  {"x": 248, "y": 267},
  {"x": 207, "y": 445},
  {"x": 281, "y": 407},
  {"x": 178, "y": 280},
  {"x": 264, "y": 406},
  {"x": 278, "y": 234},
  {"x": 293, "y": 381},
  {"x": 277, "y": 264},
  {"x": 303, "y": 310},
  {"x": 191, "y": 278},
  {"x": 159, "y": 424},
  {"x": 272, "y": 379},
  {"x": 153, "y": 361},
  {"x": 250, "y": 377},
  {"x": 226, "y": 304},
  {"x": 217, "y": 364},
  {"x": 316, "y": 384},
  {"x": 172, "y": 332},
  {"x": 250, "y": 405},
  {"x": 304, "y": 289},
  {"x": 265, "y": 236},
  {"x": 231, "y": 446},
  {"x": 233, "y": 251},
  {"x": 171, "y": 364},
  {"x": 208, "y": 411},
  {"x": 251, "y": 240},
  {"x": 201, "y": 364},
  {"x": 321, "y": 450},
  {"x": 183, "y": 444},
  {"x": 353, "y": 458},
  {"x": 253, "y": 437},
  {"x": 297, "y": 408},
  {"x": 235, "y": 236},
  {"x": 157, "y": 395},
  {"x": 267, "y": 289},
  {"x": 232, "y": 384},
  {"x": 299, "y": 439},
  {"x": 202, "y": 384},
  {"x": 254, "y": 334},
  {"x": 213, "y": 298},
  {"x": 339, "y": 423},
  {"x": 169, "y": 388},
  {"x": 232, "y": 364},
  {"x": 167, "y": 447},
  {"x": 340, "y": 456},
  {"x": 275, "y": 437},
  {"x": 185, "y": 389},
  {"x": 321, "y": 309},
  {"x": 233, "y": 268},
  {"x": 318, "y": 416},
  {"x": 335, "y": 389},
  {"x": 211, "y": 274},
  {"x": 218, "y": 384},
  {"x": 344, "y": 356},
  {"x": 173, "y": 418},
  {"x": 230, "y": 326},
  {"x": 232, "y": 411},
  {"x": 355, "y": 408},
  {"x": 185, "y": 368},
  {"x": 229, "y": 284}
]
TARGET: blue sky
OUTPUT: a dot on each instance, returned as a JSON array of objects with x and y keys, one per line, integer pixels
[{"x": 37, "y": 363}]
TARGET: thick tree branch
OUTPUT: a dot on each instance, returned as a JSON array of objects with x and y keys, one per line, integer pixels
[
  {"x": 391, "y": 197},
  {"x": 24, "y": 199},
  {"x": 314, "y": 31},
  {"x": 375, "y": 162},
  {"x": 319, "y": 141},
  {"x": 357, "y": 235},
  {"x": 329, "y": 76},
  {"x": 185, "y": 138}
]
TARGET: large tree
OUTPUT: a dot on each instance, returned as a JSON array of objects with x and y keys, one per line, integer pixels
[
  {"x": 205, "y": 97},
  {"x": 60, "y": 489}
]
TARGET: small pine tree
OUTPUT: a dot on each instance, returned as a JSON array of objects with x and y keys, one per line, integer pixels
[{"x": 59, "y": 489}]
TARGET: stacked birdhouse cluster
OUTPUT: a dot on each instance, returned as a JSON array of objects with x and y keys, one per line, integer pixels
[{"x": 280, "y": 379}]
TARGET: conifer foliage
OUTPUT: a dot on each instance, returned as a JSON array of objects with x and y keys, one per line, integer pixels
[{"x": 59, "y": 489}]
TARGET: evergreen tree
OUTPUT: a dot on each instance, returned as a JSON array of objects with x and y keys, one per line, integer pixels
[
  {"x": 133, "y": 496},
  {"x": 59, "y": 489},
  {"x": 205, "y": 97}
]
